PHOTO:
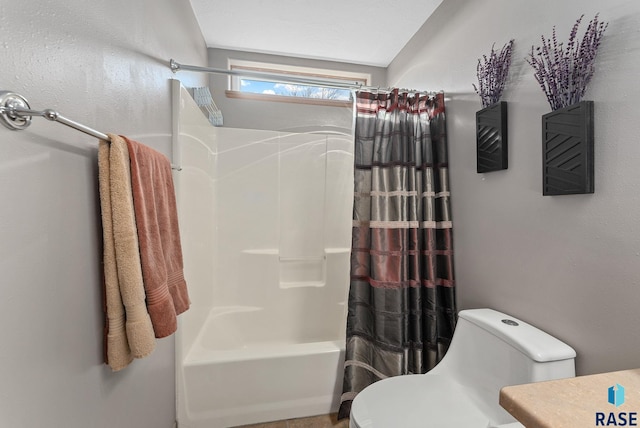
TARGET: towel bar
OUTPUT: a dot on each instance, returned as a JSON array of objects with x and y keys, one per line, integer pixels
[{"x": 16, "y": 114}]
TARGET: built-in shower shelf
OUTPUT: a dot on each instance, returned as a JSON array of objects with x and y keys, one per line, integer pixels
[
  {"x": 264, "y": 251},
  {"x": 302, "y": 272},
  {"x": 337, "y": 250},
  {"x": 300, "y": 284},
  {"x": 298, "y": 271},
  {"x": 276, "y": 252}
]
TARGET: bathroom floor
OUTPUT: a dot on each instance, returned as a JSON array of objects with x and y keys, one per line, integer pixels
[{"x": 322, "y": 421}]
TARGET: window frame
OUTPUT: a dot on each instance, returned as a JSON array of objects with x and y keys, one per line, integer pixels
[{"x": 339, "y": 76}]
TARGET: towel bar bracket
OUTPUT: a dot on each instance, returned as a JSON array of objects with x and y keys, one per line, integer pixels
[
  {"x": 16, "y": 114},
  {"x": 10, "y": 102}
]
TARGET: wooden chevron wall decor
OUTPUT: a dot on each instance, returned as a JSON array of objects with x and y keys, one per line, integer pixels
[
  {"x": 567, "y": 150},
  {"x": 491, "y": 138}
]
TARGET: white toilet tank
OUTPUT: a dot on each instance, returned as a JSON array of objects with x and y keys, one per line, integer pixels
[{"x": 490, "y": 350}]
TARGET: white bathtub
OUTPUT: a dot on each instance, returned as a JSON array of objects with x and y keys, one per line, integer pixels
[{"x": 240, "y": 371}]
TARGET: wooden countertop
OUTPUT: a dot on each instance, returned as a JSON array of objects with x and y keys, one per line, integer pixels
[{"x": 574, "y": 402}]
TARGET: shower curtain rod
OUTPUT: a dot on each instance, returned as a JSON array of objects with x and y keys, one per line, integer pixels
[
  {"x": 16, "y": 114},
  {"x": 176, "y": 66}
]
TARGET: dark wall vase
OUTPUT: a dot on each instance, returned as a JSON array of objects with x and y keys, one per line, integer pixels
[
  {"x": 567, "y": 150},
  {"x": 491, "y": 138}
]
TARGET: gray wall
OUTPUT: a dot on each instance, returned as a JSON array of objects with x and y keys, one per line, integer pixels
[
  {"x": 104, "y": 65},
  {"x": 279, "y": 116},
  {"x": 568, "y": 264}
]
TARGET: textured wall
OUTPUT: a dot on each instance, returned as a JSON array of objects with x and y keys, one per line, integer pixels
[
  {"x": 568, "y": 264},
  {"x": 104, "y": 65}
]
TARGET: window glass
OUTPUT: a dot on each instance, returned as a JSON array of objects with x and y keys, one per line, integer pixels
[
  {"x": 280, "y": 87},
  {"x": 293, "y": 90}
]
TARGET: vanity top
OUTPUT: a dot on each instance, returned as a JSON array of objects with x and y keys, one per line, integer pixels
[{"x": 578, "y": 402}]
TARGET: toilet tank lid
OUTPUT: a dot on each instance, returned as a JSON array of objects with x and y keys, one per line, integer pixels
[{"x": 531, "y": 341}]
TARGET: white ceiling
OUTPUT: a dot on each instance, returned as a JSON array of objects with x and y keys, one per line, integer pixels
[{"x": 368, "y": 32}]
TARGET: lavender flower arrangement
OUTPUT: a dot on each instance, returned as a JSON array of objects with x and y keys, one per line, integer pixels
[
  {"x": 563, "y": 73},
  {"x": 492, "y": 74}
]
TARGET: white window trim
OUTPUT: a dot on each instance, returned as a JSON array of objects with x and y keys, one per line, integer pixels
[{"x": 298, "y": 71}]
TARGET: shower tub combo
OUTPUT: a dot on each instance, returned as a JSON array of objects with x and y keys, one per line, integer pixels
[{"x": 265, "y": 219}]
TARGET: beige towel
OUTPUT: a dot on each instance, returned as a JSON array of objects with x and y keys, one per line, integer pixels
[
  {"x": 129, "y": 333},
  {"x": 116, "y": 347},
  {"x": 156, "y": 215}
]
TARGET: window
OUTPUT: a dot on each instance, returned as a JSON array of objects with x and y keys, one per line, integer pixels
[{"x": 292, "y": 89}]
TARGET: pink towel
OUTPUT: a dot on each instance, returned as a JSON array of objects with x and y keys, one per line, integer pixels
[{"x": 154, "y": 203}]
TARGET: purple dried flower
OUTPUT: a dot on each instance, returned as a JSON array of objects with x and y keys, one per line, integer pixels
[
  {"x": 492, "y": 74},
  {"x": 564, "y": 73}
]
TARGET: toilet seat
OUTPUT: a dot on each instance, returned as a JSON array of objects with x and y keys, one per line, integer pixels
[{"x": 405, "y": 401}]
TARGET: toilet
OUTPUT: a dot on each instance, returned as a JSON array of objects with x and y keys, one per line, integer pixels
[{"x": 489, "y": 350}]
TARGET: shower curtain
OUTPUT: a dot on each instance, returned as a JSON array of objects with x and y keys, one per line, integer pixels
[{"x": 402, "y": 307}]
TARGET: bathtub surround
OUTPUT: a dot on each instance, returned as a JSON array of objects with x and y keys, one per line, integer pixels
[
  {"x": 128, "y": 330},
  {"x": 264, "y": 217},
  {"x": 156, "y": 216},
  {"x": 402, "y": 308}
]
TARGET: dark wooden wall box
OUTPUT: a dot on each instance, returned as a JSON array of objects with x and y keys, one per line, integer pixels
[
  {"x": 491, "y": 138},
  {"x": 567, "y": 150}
]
